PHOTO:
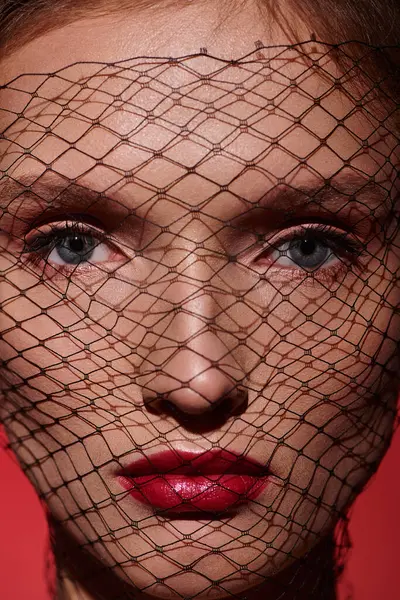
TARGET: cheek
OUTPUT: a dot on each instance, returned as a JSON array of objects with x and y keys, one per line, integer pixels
[{"x": 337, "y": 396}]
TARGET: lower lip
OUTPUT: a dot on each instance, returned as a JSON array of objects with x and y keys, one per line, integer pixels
[{"x": 185, "y": 493}]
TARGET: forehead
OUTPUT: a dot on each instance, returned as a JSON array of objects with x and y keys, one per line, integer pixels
[
  {"x": 227, "y": 29},
  {"x": 144, "y": 32},
  {"x": 106, "y": 116}
]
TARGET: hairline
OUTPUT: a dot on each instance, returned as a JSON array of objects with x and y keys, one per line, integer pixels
[{"x": 43, "y": 20}]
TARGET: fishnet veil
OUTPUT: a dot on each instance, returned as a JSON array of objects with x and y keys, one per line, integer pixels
[{"x": 201, "y": 255}]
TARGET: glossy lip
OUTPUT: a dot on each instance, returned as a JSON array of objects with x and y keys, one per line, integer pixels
[{"x": 182, "y": 481}]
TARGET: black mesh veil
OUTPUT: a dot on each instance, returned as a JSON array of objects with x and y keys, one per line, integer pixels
[{"x": 199, "y": 314}]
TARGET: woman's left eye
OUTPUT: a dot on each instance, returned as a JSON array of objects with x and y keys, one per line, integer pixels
[
  {"x": 314, "y": 248},
  {"x": 308, "y": 253}
]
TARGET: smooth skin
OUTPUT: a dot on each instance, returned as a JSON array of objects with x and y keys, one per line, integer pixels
[{"x": 137, "y": 351}]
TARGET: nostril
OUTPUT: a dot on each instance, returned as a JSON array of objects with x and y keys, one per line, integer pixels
[
  {"x": 233, "y": 403},
  {"x": 200, "y": 417},
  {"x": 158, "y": 404},
  {"x": 211, "y": 392},
  {"x": 240, "y": 401}
]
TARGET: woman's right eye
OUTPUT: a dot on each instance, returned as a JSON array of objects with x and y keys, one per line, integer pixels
[
  {"x": 69, "y": 247},
  {"x": 78, "y": 249}
]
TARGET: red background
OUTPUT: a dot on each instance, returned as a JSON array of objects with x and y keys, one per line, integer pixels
[{"x": 373, "y": 567}]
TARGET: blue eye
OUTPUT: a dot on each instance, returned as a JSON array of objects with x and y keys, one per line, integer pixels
[
  {"x": 308, "y": 253},
  {"x": 72, "y": 245},
  {"x": 74, "y": 249},
  {"x": 312, "y": 248}
]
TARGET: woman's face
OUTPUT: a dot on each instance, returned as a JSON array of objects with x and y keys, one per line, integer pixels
[{"x": 197, "y": 255}]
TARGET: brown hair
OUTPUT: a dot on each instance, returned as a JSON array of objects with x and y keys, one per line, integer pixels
[
  {"x": 368, "y": 22},
  {"x": 375, "y": 22},
  {"x": 23, "y": 20}
]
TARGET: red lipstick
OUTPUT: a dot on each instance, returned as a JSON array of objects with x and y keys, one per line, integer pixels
[{"x": 182, "y": 481}]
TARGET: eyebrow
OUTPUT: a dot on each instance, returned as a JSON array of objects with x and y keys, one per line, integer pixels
[
  {"x": 353, "y": 192},
  {"x": 30, "y": 201},
  {"x": 343, "y": 191}
]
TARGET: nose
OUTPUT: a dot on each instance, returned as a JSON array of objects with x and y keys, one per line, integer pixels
[{"x": 191, "y": 369}]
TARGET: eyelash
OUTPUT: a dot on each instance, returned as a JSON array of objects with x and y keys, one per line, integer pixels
[
  {"x": 339, "y": 243},
  {"x": 322, "y": 233},
  {"x": 44, "y": 243}
]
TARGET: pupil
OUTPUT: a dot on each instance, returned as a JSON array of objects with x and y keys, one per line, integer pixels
[
  {"x": 308, "y": 246},
  {"x": 76, "y": 244}
]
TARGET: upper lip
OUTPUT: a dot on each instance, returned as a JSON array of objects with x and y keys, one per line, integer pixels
[{"x": 184, "y": 462}]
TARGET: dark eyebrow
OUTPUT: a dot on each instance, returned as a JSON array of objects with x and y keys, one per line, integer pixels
[
  {"x": 353, "y": 192},
  {"x": 349, "y": 187},
  {"x": 32, "y": 201}
]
